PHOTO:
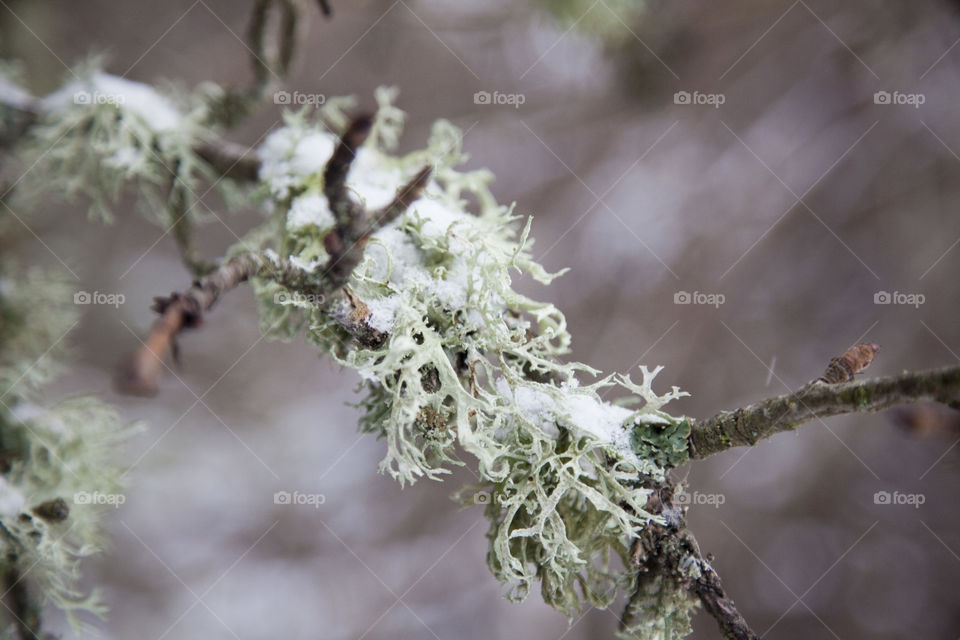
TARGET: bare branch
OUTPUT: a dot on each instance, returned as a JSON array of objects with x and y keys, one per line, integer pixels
[
  {"x": 817, "y": 400},
  {"x": 230, "y": 160},
  {"x": 140, "y": 374}
]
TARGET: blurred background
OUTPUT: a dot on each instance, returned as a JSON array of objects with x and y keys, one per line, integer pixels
[{"x": 737, "y": 152}]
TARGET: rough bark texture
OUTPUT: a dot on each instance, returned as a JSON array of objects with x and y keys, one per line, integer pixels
[
  {"x": 669, "y": 551},
  {"x": 817, "y": 400}
]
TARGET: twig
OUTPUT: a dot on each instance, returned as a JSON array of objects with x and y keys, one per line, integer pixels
[
  {"x": 669, "y": 552},
  {"x": 715, "y": 601},
  {"x": 24, "y": 608},
  {"x": 746, "y": 426},
  {"x": 140, "y": 374},
  {"x": 230, "y": 160}
]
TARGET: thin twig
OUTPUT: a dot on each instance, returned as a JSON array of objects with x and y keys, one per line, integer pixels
[
  {"x": 140, "y": 374},
  {"x": 750, "y": 424}
]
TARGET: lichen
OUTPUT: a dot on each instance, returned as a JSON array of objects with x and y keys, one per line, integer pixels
[
  {"x": 470, "y": 366},
  {"x": 49, "y": 451}
]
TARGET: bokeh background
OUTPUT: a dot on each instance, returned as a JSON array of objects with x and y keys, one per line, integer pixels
[{"x": 798, "y": 199}]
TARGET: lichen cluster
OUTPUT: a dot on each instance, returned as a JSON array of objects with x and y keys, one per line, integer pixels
[
  {"x": 469, "y": 371},
  {"x": 464, "y": 370},
  {"x": 49, "y": 453}
]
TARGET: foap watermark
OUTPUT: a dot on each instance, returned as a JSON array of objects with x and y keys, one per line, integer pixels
[
  {"x": 96, "y": 497},
  {"x": 299, "y": 299},
  {"x": 710, "y": 99},
  {"x": 298, "y": 98},
  {"x": 897, "y": 97},
  {"x": 897, "y": 498},
  {"x": 898, "y": 297},
  {"x": 95, "y": 97},
  {"x": 698, "y": 297},
  {"x": 299, "y": 499},
  {"x": 99, "y": 297},
  {"x": 512, "y": 99},
  {"x": 683, "y": 498},
  {"x": 481, "y": 497}
]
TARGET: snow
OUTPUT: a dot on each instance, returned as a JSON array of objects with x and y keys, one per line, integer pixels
[
  {"x": 438, "y": 217},
  {"x": 288, "y": 155},
  {"x": 11, "y": 500},
  {"x": 600, "y": 419},
  {"x": 13, "y": 95},
  {"x": 310, "y": 209},
  {"x": 575, "y": 409},
  {"x": 383, "y": 312},
  {"x": 374, "y": 178},
  {"x": 153, "y": 108},
  {"x": 310, "y": 266}
]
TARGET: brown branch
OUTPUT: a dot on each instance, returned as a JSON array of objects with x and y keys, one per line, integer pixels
[
  {"x": 23, "y": 606},
  {"x": 669, "y": 552},
  {"x": 230, "y": 160},
  {"x": 715, "y": 601},
  {"x": 817, "y": 400},
  {"x": 140, "y": 374}
]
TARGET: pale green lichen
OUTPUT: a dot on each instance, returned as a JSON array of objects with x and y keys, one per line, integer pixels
[
  {"x": 470, "y": 366},
  {"x": 468, "y": 371},
  {"x": 662, "y": 607},
  {"x": 100, "y": 133},
  {"x": 49, "y": 453}
]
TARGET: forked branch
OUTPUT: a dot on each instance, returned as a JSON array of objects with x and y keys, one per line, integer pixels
[{"x": 140, "y": 374}]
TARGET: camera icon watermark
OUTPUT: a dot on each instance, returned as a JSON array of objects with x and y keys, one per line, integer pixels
[
  {"x": 298, "y": 98},
  {"x": 299, "y": 499},
  {"x": 898, "y": 498},
  {"x": 683, "y": 498},
  {"x": 97, "y": 297},
  {"x": 298, "y": 299},
  {"x": 95, "y": 97},
  {"x": 98, "y": 498},
  {"x": 896, "y": 97},
  {"x": 910, "y": 299},
  {"x": 697, "y": 297},
  {"x": 481, "y": 497},
  {"x": 697, "y": 98},
  {"x": 497, "y": 98}
]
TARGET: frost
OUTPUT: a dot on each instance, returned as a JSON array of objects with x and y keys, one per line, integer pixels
[
  {"x": 310, "y": 209},
  {"x": 102, "y": 88}
]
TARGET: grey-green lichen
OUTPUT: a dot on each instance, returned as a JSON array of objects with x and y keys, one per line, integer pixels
[
  {"x": 49, "y": 453},
  {"x": 99, "y": 133},
  {"x": 467, "y": 371},
  {"x": 661, "y": 606},
  {"x": 470, "y": 366}
]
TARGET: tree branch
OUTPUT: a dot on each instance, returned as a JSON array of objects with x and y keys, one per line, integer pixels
[
  {"x": 140, "y": 374},
  {"x": 668, "y": 553},
  {"x": 817, "y": 400}
]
